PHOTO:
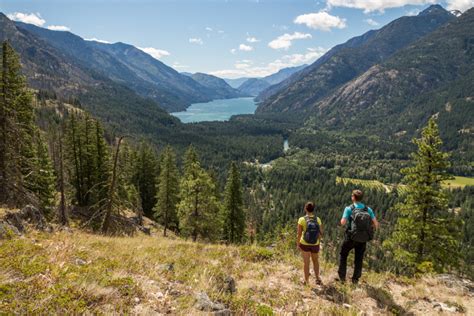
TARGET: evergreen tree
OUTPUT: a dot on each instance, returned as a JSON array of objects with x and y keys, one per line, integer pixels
[
  {"x": 168, "y": 192},
  {"x": 146, "y": 172},
  {"x": 199, "y": 209},
  {"x": 42, "y": 179},
  {"x": 89, "y": 161},
  {"x": 234, "y": 216},
  {"x": 427, "y": 233},
  {"x": 12, "y": 92},
  {"x": 24, "y": 162},
  {"x": 127, "y": 192}
]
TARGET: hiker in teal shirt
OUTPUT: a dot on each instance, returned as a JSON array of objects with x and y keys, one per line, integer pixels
[{"x": 360, "y": 229}]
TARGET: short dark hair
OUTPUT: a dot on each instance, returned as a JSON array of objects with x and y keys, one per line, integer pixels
[
  {"x": 309, "y": 207},
  {"x": 358, "y": 195}
]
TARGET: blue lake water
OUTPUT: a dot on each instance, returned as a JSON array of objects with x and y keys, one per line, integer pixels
[{"x": 217, "y": 110}]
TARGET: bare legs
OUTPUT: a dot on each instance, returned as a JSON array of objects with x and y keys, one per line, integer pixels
[
  {"x": 315, "y": 259},
  {"x": 307, "y": 257}
]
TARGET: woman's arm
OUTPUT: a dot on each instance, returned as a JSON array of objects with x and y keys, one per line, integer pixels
[
  {"x": 300, "y": 232},
  {"x": 321, "y": 231}
]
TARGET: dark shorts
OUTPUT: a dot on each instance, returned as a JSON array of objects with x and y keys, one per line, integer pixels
[{"x": 313, "y": 249}]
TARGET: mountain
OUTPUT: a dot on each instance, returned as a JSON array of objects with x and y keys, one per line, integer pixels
[
  {"x": 347, "y": 61},
  {"x": 253, "y": 86},
  {"x": 220, "y": 88},
  {"x": 283, "y": 74},
  {"x": 49, "y": 68},
  {"x": 235, "y": 83},
  {"x": 351, "y": 43},
  {"x": 432, "y": 76},
  {"x": 126, "y": 64}
]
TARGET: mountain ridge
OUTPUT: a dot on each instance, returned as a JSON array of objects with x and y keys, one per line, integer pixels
[{"x": 346, "y": 62}]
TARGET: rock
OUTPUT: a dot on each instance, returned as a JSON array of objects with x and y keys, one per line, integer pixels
[
  {"x": 7, "y": 230},
  {"x": 442, "y": 307},
  {"x": 229, "y": 285},
  {"x": 28, "y": 214},
  {"x": 224, "y": 312},
  {"x": 80, "y": 262},
  {"x": 136, "y": 300},
  {"x": 34, "y": 216},
  {"x": 204, "y": 303},
  {"x": 14, "y": 219},
  {"x": 455, "y": 281},
  {"x": 345, "y": 305}
]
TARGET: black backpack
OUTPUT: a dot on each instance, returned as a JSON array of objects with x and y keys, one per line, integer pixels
[
  {"x": 360, "y": 226},
  {"x": 311, "y": 234}
]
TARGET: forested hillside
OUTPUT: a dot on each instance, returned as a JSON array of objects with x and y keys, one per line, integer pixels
[{"x": 345, "y": 62}]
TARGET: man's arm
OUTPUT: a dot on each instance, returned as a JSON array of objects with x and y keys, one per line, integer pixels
[
  {"x": 375, "y": 223},
  {"x": 345, "y": 216}
]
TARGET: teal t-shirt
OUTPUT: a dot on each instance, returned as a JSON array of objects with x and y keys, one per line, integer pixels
[{"x": 348, "y": 211}]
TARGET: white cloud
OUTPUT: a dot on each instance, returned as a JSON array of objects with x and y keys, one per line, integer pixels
[
  {"x": 154, "y": 52},
  {"x": 371, "y": 22},
  {"x": 246, "y": 68},
  {"x": 321, "y": 21},
  {"x": 461, "y": 5},
  {"x": 377, "y": 5},
  {"x": 252, "y": 39},
  {"x": 245, "y": 48},
  {"x": 30, "y": 18},
  {"x": 209, "y": 29},
  {"x": 93, "y": 39},
  {"x": 413, "y": 12},
  {"x": 233, "y": 50},
  {"x": 197, "y": 41},
  {"x": 58, "y": 28},
  {"x": 178, "y": 65},
  {"x": 284, "y": 41}
]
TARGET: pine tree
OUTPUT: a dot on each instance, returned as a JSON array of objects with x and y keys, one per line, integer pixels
[
  {"x": 145, "y": 176},
  {"x": 25, "y": 170},
  {"x": 168, "y": 192},
  {"x": 427, "y": 233},
  {"x": 199, "y": 209},
  {"x": 88, "y": 160},
  {"x": 234, "y": 216},
  {"x": 42, "y": 179}
]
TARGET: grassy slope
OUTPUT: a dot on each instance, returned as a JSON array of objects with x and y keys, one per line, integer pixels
[
  {"x": 75, "y": 272},
  {"x": 457, "y": 182}
]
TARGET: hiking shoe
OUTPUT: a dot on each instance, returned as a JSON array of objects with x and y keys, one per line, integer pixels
[
  {"x": 319, "y": 282},
  {"x": 355, "y": 282},
  {"x": 340, "y": 280}
]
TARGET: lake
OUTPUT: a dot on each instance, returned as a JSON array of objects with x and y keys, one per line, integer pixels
[{"x": 217, "y": 110}]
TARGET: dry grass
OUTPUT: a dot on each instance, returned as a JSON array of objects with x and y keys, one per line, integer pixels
[{"x": 70, "y": 273}]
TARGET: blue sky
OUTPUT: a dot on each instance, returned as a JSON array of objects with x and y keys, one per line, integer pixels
[{"x": 232, "y": 38}]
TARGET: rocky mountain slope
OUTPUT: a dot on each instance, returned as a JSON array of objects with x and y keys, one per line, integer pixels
[
  {"x": 433, "y": 76},
  {"x": 347, "y": 61}
]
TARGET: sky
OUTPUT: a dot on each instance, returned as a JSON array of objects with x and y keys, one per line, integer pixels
[{"x": 226, "y": 38}]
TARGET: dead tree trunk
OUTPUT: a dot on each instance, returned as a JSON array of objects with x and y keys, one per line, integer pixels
[{"x": 110, "y": 199}]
